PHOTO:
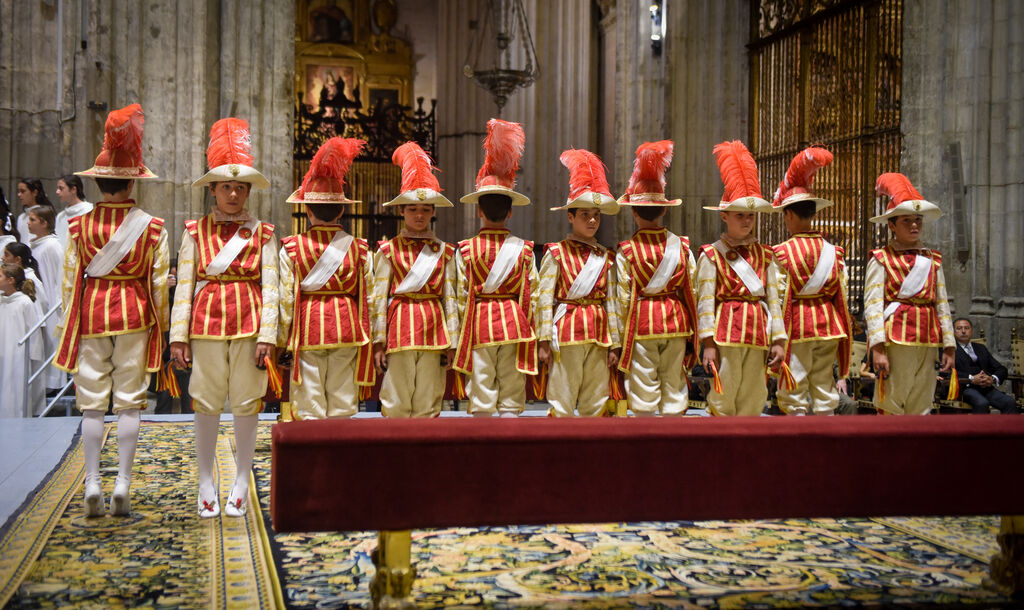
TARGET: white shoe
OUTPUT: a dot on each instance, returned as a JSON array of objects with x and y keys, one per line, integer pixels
[
  {"x": 93, "y": 497},
  {"x": 120, "y": 501},
  {"x": 208, "y": 509},
  {"x": 235, "y": 507}
]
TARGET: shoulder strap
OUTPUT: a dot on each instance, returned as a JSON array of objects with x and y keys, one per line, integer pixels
[
  {"x": 743, "y": 269},
  {"x": 422, "y": 268},
  {"x": 667, "y": 266},
  {"x": 504, "y": 262},
  {"x": 327, "y": 265}
]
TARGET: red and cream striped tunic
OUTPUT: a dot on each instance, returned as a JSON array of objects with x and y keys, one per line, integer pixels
[
  {"x": 824, "y": 314},
  {"x": 667, "y": 313},
  {"x": 415, "y": 320},
  {"x": 337, "y": 314},
  {"x": 586, "y": 320},
  {"x": 229, "y": 305},
  {"x": 740, "y": 318},
  {"x": 118, "y": 302},
  {"x": 917, "y": 321},
  {"x": 504, "y": 316}
]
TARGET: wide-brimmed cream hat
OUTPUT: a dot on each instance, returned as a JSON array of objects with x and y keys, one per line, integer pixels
[
  {"x": 904, "y": 200},
  {"x": 739, "y": 176},
  {"x": 795, "y": 186},
  {"x": 419, "y": 184},
  {"x": 228, "y": 155},
  {"x": 121, "y": 157},
  {"x": 588, "y": 183},
  {"x": 503, "y": 148},
  {"x": 647, "y": 183},
  {"x": 324, "y": 181}
]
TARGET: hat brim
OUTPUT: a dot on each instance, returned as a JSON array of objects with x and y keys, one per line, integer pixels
[
  {"x": 517, "y": 198},
  {"x": 648, "y": 199},
  {"x": 917, "y": 207},
  {"x": 118, "y": 173},
  {"x": 234, "y": 172},
  {"x": 819, "y": 203},
  {"x": 417, "y": 196},
  {"x": 605, "y": 203},
  {"x": 295, "y": 198},
  {"x": 743, "y": 204}
]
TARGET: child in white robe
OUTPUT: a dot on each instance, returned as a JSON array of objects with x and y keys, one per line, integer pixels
[{"x": 17, "y": 316}]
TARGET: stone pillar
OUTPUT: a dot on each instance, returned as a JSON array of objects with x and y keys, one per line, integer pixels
[{"x": 963, "y": 82}]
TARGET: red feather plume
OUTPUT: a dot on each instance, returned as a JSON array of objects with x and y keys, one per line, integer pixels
[
  {"x": 898, "y": 187},
  {"x": 801, "y": 171},
  {"x": 332, "y": 161},
  {"x": 738, "y": 170},
  {"x": 586, "y": 172},
  {"x": 123, "y": 132},
  {"x": 417, "y": 168},
  {"x": 649, "y": 167},
  {"x": 229, "y": 143},
  {"x": 503, "y": 148}
]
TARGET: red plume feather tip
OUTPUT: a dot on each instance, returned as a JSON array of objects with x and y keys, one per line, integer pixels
[
  {"x": 586, "y": 173},
  {"x": 230, "y": 142},
  {"x": 801, "y": 171},
  {"x": 332, "y": 162},
  {"x": 417, "y": 168},
  {"x": 652, "y": 161},
  {"x": 123, "y": 132},
  {"x": 738, "y": 170},
  {"x": 898, "y": 187},
  {"x": 503, "y": 148}
]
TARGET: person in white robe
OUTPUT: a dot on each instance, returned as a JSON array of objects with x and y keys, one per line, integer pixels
[{"x": 17, "y": 315}]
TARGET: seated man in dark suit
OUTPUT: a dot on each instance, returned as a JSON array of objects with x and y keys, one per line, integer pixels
[{"x": 982, "y": 372}]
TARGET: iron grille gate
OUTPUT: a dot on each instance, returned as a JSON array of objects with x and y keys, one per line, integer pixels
[{"x": 827, "y": 73}]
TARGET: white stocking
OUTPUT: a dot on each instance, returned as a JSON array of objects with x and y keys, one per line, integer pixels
[
  {"x": 206, "y": 448},
  {"x": 127, "y": 439},
  {"x": 245, "y": 447},
  {"x": 92, "y": 442}
]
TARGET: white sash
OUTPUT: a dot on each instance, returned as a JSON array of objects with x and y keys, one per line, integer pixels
[
  {"x": 120, "y": 244},
  {"x": 229, "y": 252},
  {"x": 507, "y": 257},
  {"x": 912, "y": 284},
  {"x": 667, "y": 267},
  {"x": 422, "y": 268},
  {"x": 327, "y": 265},
  {"x": 743, "y": 269},
  {"x": 822, "y": 271},
  {"x": 581, "y": 287}
]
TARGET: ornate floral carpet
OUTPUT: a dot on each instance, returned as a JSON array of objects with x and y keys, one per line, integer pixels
[{"x": 163, "y": 556}]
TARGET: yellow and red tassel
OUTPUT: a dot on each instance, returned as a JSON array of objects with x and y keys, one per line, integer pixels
[
  {"x": 539, "y": 383},
  {"x": 717, "y": 380},
  {"x": 786, "y": 378},
  {"x": 273, "y": 376},
  {"x": 171, "y": 381},
  {"x": 954, "y": 386},
  {"x": 458, "y": 385}
]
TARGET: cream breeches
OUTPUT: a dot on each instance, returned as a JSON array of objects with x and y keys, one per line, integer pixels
[
  {"x": 579, "y": 380},
  {"x": 413, "y": 385},
  {"x": 815, "y": 393}
]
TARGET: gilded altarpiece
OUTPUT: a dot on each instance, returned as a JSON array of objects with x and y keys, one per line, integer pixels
[
  {"x": 354, "y": 79},
  {"x": 827, "y": 73}
]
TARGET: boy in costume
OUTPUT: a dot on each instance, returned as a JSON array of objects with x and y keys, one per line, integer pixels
[
  {"x": 577, "y": 314},
  {"x": 326, "y": 277},
  {"x": 905, "y": 304},
  {"x": 413, "y": 288},
  {"x": 115, "y": 306},
  {"x": 815, "y": 312},
  {"x": 497, "y": 286},
  {"x": 224, "y": 322},
  {"x": 654, "y": 271},
  {"x": 737, "y": 293}
]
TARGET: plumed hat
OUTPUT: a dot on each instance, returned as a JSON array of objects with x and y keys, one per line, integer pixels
[
  {"x": 647, "y": 183},
  {"x": 121, "y": 156},
  {"x": 419, "y": 184},
  {"x": 797, "y": 183},
  {"x": 228, "y": 155},
  {"x": 904, "y": 200},
  {"x": 325, "y": 180},
  {"x": 739, "y": 176},
  {"x": 588, "y": 185},
  {"x": 503, "y": 148}
]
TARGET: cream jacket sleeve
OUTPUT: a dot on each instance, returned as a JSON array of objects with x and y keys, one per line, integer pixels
[{"x": 181, "y": 310}]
